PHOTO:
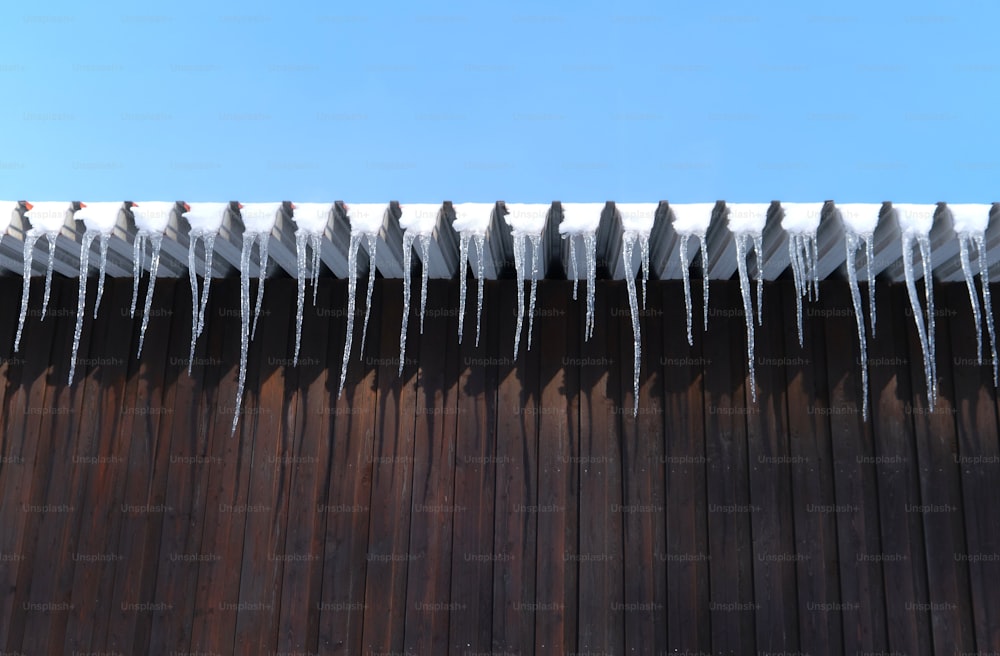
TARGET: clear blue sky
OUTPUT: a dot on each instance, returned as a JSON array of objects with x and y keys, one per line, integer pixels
[{"x": 521, "y": 101}]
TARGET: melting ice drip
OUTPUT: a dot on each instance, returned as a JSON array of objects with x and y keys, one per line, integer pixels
[
  {"x": 352, "y": 271},
  {"x": 46, "y": 219},
  {"x": 520, "y": 255},
  {"x": 970, "y": 223},
  {"x": 417, "y": 222},
  {"x": 915, "y": 224},
  {"x": 590, "y": 250},
  {"x": 156, "y": 241},
  {"x": 583, "y": 220},
  {"x": 246, "y": 332},
  {"x": 966, "y": 241},
  {"x": 860, "y": 221},
  {"x": 686, "y": 275},
  {"x": 303, "y": 241},
  {"x": 480, "y": 242},
  {"x": 472, "y": 220},
  {"x": 198, "y": 308},
  {"x": 637, "y": 223},
  {"x": 801, "y": 221},
  {"x": 692, "y": 220},
  {"x": 81, "y": 302},
  {"x": 744, "y": 242},
  {"x": 628, "y": 244},
  {"x": 852, "y": 243}
]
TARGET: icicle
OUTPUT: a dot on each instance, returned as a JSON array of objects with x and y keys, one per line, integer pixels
[
  {"x": 156, "y": 240},
  {"x": 536, "y": 244},
  {"x": 742, "y": 247},
  {"x": 815, "y": 269},
  {"x": 81, "y": 299},
  {"x": 192, "y": 274},
  {"x": 30, "y": 238},
  {"x": 198, "y": 309},
  {"x": 869, "y": 262},
  {"x": 851, "y": 244},
  {"x": 51, "y": 236},
  {"x": 686, "y": 275},
  {"x": 352, "y": 285},
  {"x": 590, "y": 243},
  {"x": 209, "y": 252},
  {"x": 918, "y": 315},
  {"x": 316, "y": 242},
  {"x": 372, "y": 242},
  {"x": 138, "y": 250},
  {"x": 248, "y": 240},
  {"x": 704, "y": 275},
  {"x": 101, "y": 271},
  {"x": 644, "y": 250},
  {"x": 425, "y": 251},
  {"x": 803, "y": 270},
  {"x": 519, "y": 247},
  {"x": 963, "y": 245},
  {"x": 572, "y": 263},
  {"x": 480, "y": 242},
  {"x": 408, "y": 239},
  {"x": 925, "y": 255},
  {"x": 984, "y": 280},
  {"x": 463, "y": 257},
  {"x": 262, "y": 243},
  {"x": 758, "y": 247},
  {"x": 300, "y": 289},
  {"x": 628, "y": 242}
]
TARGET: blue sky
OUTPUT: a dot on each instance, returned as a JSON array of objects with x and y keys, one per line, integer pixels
[{"x": 520, "y": 101}]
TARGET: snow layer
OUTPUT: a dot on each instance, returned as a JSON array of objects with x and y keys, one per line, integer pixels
[
  {"x": 638, "y": 217},
  {"x": 312, "y": 218},
  {"x": 801, "y": 218},
  {"x": 970, "y": 217},
  {"x": 580, "y": 218},
  {"x": 860, "y": 218},
  {"x": 152, "y": 216},
  {"x": 99, "y": 217},
  {"x": 692, "y": 218},
  {"x": 473, "y": 218},
  {"x": 367, "y": 218},
  {"x": 259, "y": 217},
  {"x": 48, "y": 216},
  {"x": 747, "y": 217},
  {"x": 915, "y": 219},
  {"x": 206, "y": 218},
  {"x": 419, "y": 219},
  {"x": 525, "y": 218}
]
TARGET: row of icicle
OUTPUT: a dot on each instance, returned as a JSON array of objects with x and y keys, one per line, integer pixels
[{"x": 802, "y": 250}]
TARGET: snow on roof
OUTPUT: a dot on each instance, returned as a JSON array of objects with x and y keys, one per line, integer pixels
[
  {"x": 472, "y": 218},
  {"x": 970, "y": 217},
  {"x": 860, "y": 218},
  {"x": 419, "y": 218},
  {"x": 580, "y": 218},
  {"x": 526, "y": 218},
  {"x": 312, "y": 217},
  {"x": 259, "y": 218},
  {"x": 692, "y": 218},
  {"x": 637, "y": 217},
  {"x": 747, "y": 217},
  {"x": 48, "y": 216},
  {"x": 915, "y": 219},
  {"x": 152, "y": 216},
  {"x": 801, "y": 218},
  {"x": 206, "y": 218},
  {"x": 366, "y": 218},
  {"x": 99, "y": 217}
]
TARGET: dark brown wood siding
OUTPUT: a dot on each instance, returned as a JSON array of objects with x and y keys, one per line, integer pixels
[{"x": 482, "y": 504}]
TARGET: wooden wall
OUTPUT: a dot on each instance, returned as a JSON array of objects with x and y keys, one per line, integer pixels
[{"x": 479, "y": 504}]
